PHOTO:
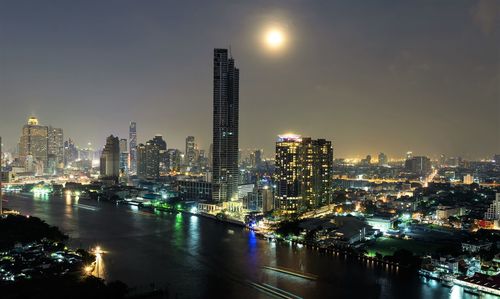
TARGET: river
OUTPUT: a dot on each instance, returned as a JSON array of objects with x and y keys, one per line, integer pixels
[{"x": 196, "y": 257}]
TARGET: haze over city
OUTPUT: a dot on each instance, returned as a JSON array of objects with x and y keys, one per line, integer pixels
[{"x": 394, "y": 80}]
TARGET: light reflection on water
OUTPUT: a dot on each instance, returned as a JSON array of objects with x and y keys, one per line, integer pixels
[{"x": 185, "y": 251}]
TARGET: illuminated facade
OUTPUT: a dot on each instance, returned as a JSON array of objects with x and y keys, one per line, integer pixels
[
  {"x": 317, "y": 168},
  {"x": 56, "y": 146},
  {"x": 132, "y": 138},
  {"x": 225, "y": 172},
  {"x": 303, "y": 172},
  {"x": 33, "y": 146},
  {"x": 148, "y": 160},
  {"x": 287, "y": 172}
]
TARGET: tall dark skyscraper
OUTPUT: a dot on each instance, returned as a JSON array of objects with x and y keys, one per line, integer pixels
[
  {"x": 225, "y": 127},
  {"x": 110, "y": 158},
  {"x": 132, "y": 137}
]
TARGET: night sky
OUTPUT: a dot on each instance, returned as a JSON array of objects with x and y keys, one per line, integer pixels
[{"x": 372, "y": 76}]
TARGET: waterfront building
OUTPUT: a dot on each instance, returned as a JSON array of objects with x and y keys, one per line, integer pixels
[
  {"x": 174, "y": 159},
  {"x": 304, "y": 172},
  {"x": 225, "y": 172},
  {"x": 110, "y": 158},
  {"x": 132, "y": 137},
  {"x": 194, "y": 190},
  {"x": 316, "y": 159},
  {"x": 287, "y": 172},
  {"x": 33, "y": 146},
  {"x": 162, "y": 146}
]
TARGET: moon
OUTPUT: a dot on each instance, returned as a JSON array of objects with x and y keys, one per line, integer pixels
[{"x": 274, "y": 38}]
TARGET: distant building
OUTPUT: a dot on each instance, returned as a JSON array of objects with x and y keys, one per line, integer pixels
[
  {"x": 382, "y": 159},
  {"x": 190, "y": 153},
  {"x": 225, "y": 172},
  {"x": 261, "y": 199},
  {"x": 132, "y": 137},
  {"x": 174, "y": 160},
  {"x": 148, "y": 160},
  {"x": 123, "y": 157},
  {"x": 468, "y": 179},
  {"x": 56, "y": 146},
  {"x": 33, "y": 146},
  {"x": 110, "y": 158},
  {"x": 493, "y": 212},
  {"x": 419, "y": 165}
]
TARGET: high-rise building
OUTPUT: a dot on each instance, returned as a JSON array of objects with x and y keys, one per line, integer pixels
[
  {"x": 110, "y": 158},
  {"x": 303, "y": 174},
  {"x": 225, "y": 127},
  {"x": 493, "y": 212},
  {"x": 148, "y": 160},
  {"x": 382, "y": 159},
  {"x": 419, "y": 165},
  {"x": 316, "y": 159},
  {"x": 33, "y": 146},
  {"x": 190, "y": 153},
  {"x": 173, "y": 159},
  {"x": 70, "y": 152},
  {"x": 132, "y": 137},
  {"x": 162, "y": 146},
  {"x": 56, "y": 145},
  {"x": 123, "y": 157},
  {"x": 288, "y": 171}
]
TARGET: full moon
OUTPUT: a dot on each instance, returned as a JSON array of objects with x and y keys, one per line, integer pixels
[{"x": 275, "y": 39}]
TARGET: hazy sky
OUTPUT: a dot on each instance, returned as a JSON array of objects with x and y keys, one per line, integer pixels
[{"x": 372, "y": 76}]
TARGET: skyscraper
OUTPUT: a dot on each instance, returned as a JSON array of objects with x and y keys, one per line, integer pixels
[
  {"x": 316, "y": 157},
  {"x": 123, "y": 157},
  {"x": 56, "y": 145},
  {"x": 190, "y": 152},
  {"x": 33, "y": 146},
  {"x": 132, "y": 137},
  {"x": 288, "y": 171},
  {"x": 148, "y": 160},
  {"x": 382, "y": 159},
  {"x": 162, "y": 146},
  {"x": 110, "y": 158},
  {"x": 225, "y": 127},
  {"x": 303, "y": 174}
]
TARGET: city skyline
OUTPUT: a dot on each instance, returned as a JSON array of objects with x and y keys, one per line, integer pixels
[{"x": 401, "y": 90}]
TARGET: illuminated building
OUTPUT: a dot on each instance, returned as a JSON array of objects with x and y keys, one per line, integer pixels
[
  {"x": 56, "y": 146},
  {"x": 225, "y": 172},
  {"x": 70, "y": 152},
  {"x": 33, "y": 146},
  {"x": 493, "y": 212},
  {"x": 304, "y": 169},
  {"x": 190, "y": 153},
  {"x": 148, "y": 160},
  {"x": 316, "y": 157},
  {"x": 287, "y": 172},
  {"x": 382, "y": 159},
  {"x": 162, "y": 146},
  {"x": 123, "y": 157},
  {"x": 173, "y": 159},
  {"x": 468, "y": 179},
  {"x": 110, "y": 158},
  {"x": 132, "y": 137}
]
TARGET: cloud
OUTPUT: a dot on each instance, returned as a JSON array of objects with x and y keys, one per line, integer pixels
[{"x": 486, "y": 15}]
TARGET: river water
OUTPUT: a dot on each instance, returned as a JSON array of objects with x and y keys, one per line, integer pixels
[{"x": 196, "y": 257}]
